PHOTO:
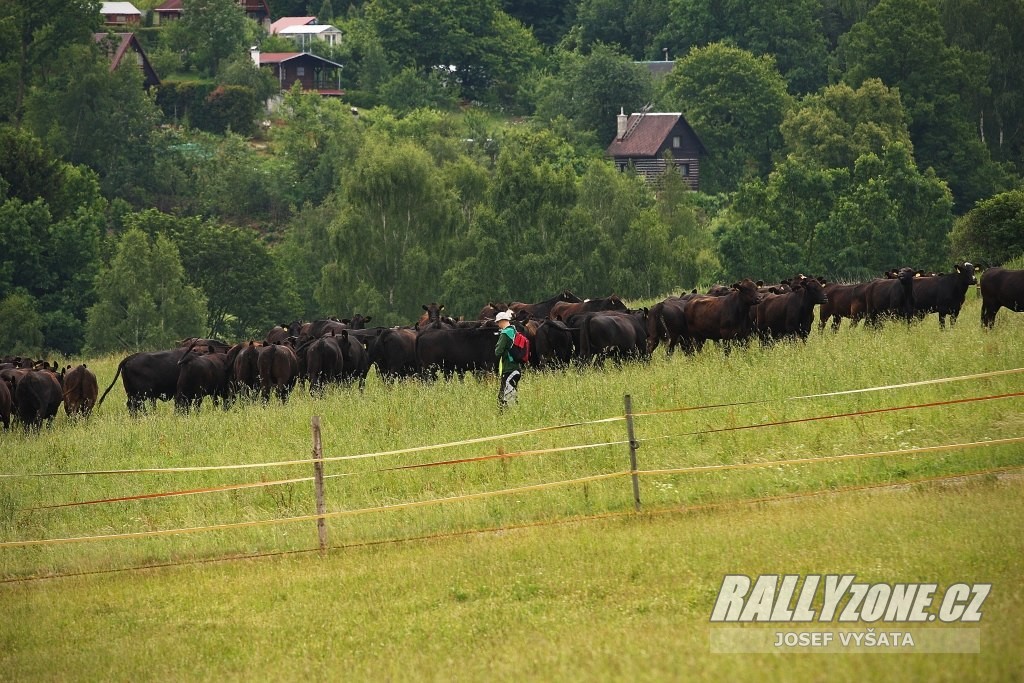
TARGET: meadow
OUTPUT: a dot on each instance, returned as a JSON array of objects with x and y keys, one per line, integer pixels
[{"x": 569, "y": 583}]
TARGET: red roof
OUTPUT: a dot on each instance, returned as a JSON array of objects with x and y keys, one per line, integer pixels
[
  {"x": 168, "y": 6},
  {"x": 277, "y": 57},
  {"x": 645, "y": 136},
  {"x": 286, "y": 22}
]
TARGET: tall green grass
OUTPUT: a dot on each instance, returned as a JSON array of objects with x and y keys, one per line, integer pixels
[{"x": 412, "y": 414}]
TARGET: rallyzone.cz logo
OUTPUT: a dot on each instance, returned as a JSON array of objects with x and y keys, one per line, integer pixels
[
  {"x": 770, "y": 600},
  {"x": 840, "y": 599}
]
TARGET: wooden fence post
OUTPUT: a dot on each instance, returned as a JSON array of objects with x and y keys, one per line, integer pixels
[
  {"x": 633, "y": 445},
  {"x": 318, "y": 481}
]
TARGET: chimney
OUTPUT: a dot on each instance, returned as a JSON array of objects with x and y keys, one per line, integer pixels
[
  {"x": 254, "y": 53},
  {"x": 621, "y": 120}
]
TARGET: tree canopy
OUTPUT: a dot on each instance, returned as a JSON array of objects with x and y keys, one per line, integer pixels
[{"x": 466, "y": 157}]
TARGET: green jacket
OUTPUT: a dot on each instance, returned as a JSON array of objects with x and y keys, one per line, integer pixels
[{"x": 501, "y": 350}]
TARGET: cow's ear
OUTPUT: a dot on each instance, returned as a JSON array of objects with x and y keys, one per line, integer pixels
[
  {"x": 441, "y": 307},
  {"x": 367, "y": 319},
  {"x": 956, "y": 266}
]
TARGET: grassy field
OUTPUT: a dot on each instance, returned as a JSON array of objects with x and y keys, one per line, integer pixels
[{"x": 612, "y": 598}]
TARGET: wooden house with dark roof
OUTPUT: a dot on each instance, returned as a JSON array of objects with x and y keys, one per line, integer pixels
[
  {"x": 649, "y": 141},
  {"x": 311, "y": 71},
  {"x": 124, "y": 48}
]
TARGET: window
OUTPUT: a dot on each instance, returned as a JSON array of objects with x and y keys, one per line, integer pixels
[
  {"x": 300, "y": 71},
  {"x": 685, "y": 170},
  {"x": 676, "y": 142}
]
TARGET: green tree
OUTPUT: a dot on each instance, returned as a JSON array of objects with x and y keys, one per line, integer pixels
[
  {"x": 34, "y": 41},
  {"x": 326, "y": 13},
  {"x": 143, "y": 300},
  {"x": 790, "y": 31},
  {"x": 839, "y": 222},
  {"x": 994, "y": 31},
  {"x": 833, "y": 128},
  {"x": 736, "y": 103},
  {"x": 102, "y": 119},
  {"x": 902, "y": 43},
  {"x": 391, "y": 234},
  {"x": 891, "y": 216},
  {"x": 53, "y": 262},
  {"x": 236, "y": 183},
  {"x": 304, "y": 251},
  {"x": 545, "y": 18},
  {"x": 592, "y": 89},
  {"x": 320, "y": 139},
  {"x": 992, "y": 232},
  {"x": 411, "y": 89},
  {"x": 597, "y": 235},
  {"x": 481, "y": 50},
  {"x": 240, "y": 70},
  {"x": 247, "y": 290},
  {"x": 211, "y": 31},
  {"x": 692, "y": 254},
  {"x": 22, "y": 331}
]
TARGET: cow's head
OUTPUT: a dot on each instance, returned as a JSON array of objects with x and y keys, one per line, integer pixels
[
  {"x": 966, "y": 270},
  {"x": 748, "y": 291}
]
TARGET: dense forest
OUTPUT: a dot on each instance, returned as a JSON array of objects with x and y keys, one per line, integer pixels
[{"x": 466, "y": 161}]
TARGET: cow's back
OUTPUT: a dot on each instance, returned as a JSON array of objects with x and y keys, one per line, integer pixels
[
  {"x": 80, "y": 390},
  {"x": 1000, "y": 287}
]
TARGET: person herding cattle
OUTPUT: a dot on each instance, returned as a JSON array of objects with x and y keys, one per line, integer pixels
[{"x": 509, "y": 369}]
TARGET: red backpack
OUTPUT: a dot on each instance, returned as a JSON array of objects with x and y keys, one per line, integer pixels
[{"x": 520, "y": 349}]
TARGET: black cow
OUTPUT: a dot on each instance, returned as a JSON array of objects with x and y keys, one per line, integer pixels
[
  {"x": 5, "y": 404},
  {"x": 720, "y": 318},
  {"x": 394, "y": 353},
  {"x": 432, "y": 317},
  {"x": 357, "y": 321},
  {"x": 665, "y": 322},
  {"x": 281, "y": 332},
  {"x": 80, "y": 391},
  {"x": 242, "y": 366},
  {"x": 542, "y": 309},
  {"x": 324, "y": 362},
  {"x": 613, "y": 335},
  {"x": 789, "y": 315},
  {"x": 491, "y": 309},
  {"x": 356, "y": 358},
  {"x": 201, "y": 375},
  {"x": 456, "y": 350},
  {"x": 320, "y": 328},
  {"x": 844, "y": 301},
  {"x": 944, "y": 293},
  {"x": 201, "y": 345},
  {"x": 38, "y": 397},
  {"x": 1000, "y": 287},
  {"x": 564, "y": 310},
  {"x": 279, "y": 371},
  {"x": 552, "y": 344},
  {"x": 148, "y": 375},
  {"x": 891, "y": 296}
]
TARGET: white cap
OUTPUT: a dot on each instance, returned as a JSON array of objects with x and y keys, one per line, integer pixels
[{"x": 503, "y": 315}]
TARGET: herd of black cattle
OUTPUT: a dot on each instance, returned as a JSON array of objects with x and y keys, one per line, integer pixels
[{"x": 562, "y": 330}]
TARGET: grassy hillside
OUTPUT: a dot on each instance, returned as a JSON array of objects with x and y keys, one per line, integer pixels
[{"x": 614, "y": 598}]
